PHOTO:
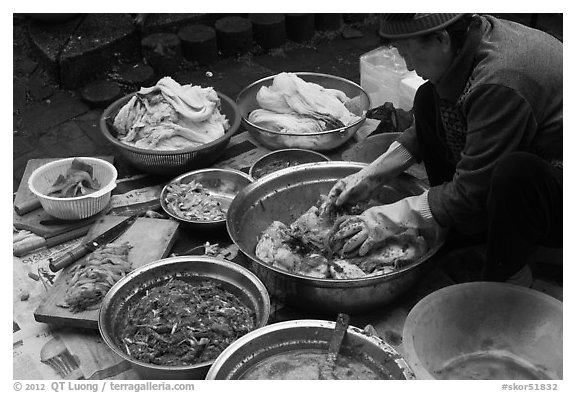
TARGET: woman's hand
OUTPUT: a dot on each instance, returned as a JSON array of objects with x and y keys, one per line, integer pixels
[
  {"x": 363, "y": 232},
  {"x": 351, "y": 189}
]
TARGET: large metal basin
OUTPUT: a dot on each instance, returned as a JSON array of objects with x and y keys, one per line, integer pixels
[
  {"x": 318, "y": 141},
  {"x": 249, "y": 351},
  {"x": 287, "y": 194},
  {"x": 124, "y": 293}
]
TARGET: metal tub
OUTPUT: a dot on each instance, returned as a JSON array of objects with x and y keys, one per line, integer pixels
[
  {"x": 318, "y": 141},
  {"x": 287, "y": 194},
  {"x": 232, "y": 277},
  {"x": 307, "y": 335}
]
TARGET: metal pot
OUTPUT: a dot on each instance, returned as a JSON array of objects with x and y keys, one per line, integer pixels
[
  {"x": 234, "y": 278},
  {"x": 251, "y": 350},
  {"x": 284, "y": 196},
  {"x": 318, "y": 141}
]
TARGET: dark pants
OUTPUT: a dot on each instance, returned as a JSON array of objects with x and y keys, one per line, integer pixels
[{"x": 524, "y": 202}]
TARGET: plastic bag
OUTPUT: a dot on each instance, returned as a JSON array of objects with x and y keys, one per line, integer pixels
[{"x": 382, "y": 71}]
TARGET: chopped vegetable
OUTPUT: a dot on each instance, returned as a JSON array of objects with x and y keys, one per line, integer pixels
[
  {"x": 91, "y": 280},
  {"x": 170, "y": 116},
  {"x": 181, "y": 323},
  {"x": 191, "y": 201},
  {"x": 77, "y": 181},
  {"x": 305, "y": 246}
]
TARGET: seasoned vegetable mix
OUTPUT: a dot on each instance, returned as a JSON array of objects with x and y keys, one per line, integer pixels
[
  {"x": 191, "y": 201},
  {"x": 180, "y": 323}
]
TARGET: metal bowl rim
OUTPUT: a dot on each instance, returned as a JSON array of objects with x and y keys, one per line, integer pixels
[
  {"x": 168, "y": 261},
  {"x": 297, "y": 323},
  {"x": 234, "y": 127},
  {"x": 280, "y": 151},
  {"x": 194, "y": 172},
  {"x": 341, "y": 130},
  {"x": 331, "y": 282}
]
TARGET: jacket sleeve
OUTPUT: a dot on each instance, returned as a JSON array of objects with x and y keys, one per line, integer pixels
[{"x": 499, "y": 121}]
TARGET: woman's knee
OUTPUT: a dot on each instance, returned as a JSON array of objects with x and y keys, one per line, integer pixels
[{"x": 518, "y": 170}]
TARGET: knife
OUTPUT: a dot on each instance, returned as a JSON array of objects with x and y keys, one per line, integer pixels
[
  {"x": 78, "y": 252},
  {"x": 326, "y": 370},
  {"x": 25, "y": 247}
]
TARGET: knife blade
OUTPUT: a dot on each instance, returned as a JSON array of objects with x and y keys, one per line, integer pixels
[
  {"x": 78, "y": 252},
  {"x": 326, "y": 370}
]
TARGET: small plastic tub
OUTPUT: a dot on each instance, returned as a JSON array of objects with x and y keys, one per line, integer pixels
[{"x": 74, "y": 208}]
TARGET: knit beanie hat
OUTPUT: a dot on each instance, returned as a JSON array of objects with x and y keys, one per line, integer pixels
[{"x": 398, "y": 26}]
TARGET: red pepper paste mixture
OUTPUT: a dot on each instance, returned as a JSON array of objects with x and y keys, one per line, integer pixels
[{"x": 181, "y": 323}]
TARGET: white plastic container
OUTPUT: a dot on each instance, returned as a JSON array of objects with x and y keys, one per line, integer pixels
[
  {"x": 77, "y": 207},
  {"x": 384, "y": 76}
]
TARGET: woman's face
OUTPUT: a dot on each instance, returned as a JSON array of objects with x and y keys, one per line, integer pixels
[{"x": 430, "y": 59}]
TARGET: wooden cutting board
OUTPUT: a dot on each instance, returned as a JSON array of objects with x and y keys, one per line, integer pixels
[
  {"x": 151, "y": 239},
  {"x": 32, "y": 220}
]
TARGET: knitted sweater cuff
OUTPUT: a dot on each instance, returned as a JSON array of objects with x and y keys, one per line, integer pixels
[
  {"x": 424, "y": 208},
  {"x": 404, "y": 155}
]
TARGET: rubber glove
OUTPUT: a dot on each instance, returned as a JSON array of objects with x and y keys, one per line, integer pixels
[
  {"x": 352, "y": 188},
  {"x": 377, "y": 223},
  {"x": 360, "y": 185}
]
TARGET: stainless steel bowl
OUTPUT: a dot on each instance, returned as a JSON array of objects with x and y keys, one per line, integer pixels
[
  {"x": 231, "y": 276},
  {"x": 249, "y": 351},
  {"x": 320, "y": 141},
  {"x": 284, "y": 158},
  {"x": 221, "y": 184},
  {"x": 287, "y": 194},
  {"x": 171, "y": 162}
]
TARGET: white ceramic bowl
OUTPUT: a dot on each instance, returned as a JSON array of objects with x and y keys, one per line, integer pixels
[{"x": 74, "y": 208}]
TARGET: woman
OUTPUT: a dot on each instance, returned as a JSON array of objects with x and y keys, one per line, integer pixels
[{"x": 488, "y": 127}]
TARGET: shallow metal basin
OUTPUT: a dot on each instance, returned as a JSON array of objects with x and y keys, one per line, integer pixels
[{"x": 306, "y": 335}]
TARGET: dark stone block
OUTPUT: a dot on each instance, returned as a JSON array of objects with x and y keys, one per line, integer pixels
[
  {"x": 171, "y": 23},
  {"x": 19, "y": 88},
  {"x": 269, "y": 29},
  {"x": 354, "y": 18},
  {"x": 136, "y": 75},
  {"x": 198, "y": 43},
  {"x": 101, "y": 93},
  {"x": 328, "y": 22},
  {"x": 234, "y": 35},
  {"x": 52, "y": 18},
  {"x": 49, "y": 40},
  {"x": 163, "y": 52},
  {"x": 300, "y": 27},
  {"x": 100, "y": 42}
]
